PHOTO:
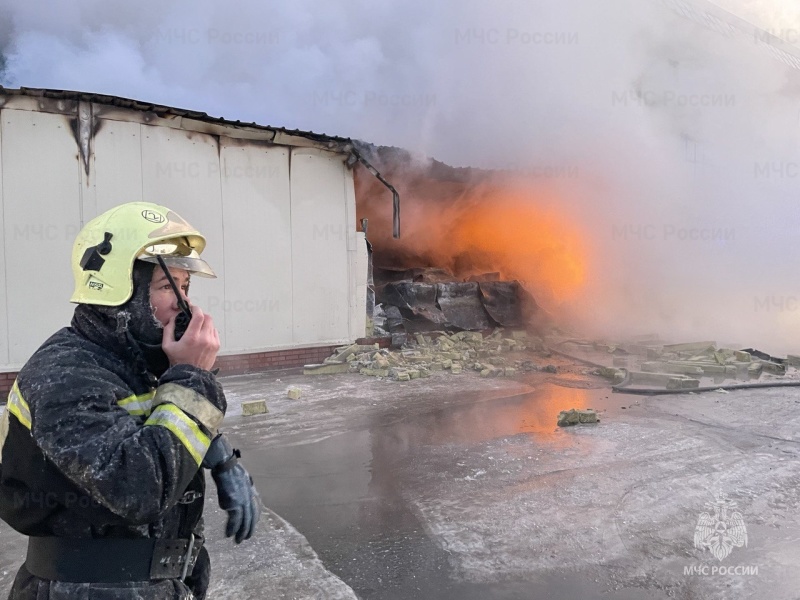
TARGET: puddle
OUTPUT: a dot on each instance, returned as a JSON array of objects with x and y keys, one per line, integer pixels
[
  {"x": 533, "y": 413},
  {"x": 346, "y": 495}
]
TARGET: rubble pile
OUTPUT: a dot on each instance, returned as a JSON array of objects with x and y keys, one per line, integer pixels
[
  {"x": 681, "y": 366},
  {"x": 419, "y": 355}
]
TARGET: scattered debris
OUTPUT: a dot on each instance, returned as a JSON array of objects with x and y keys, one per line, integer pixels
[
  {"x": 574, "y": 416},
  {"x": 695, "y": 347},
  {"x": 764, "y": 356},
  {"x": 254, "y": 407},
  {"x": 654, "y": 367},
  {"x": 414, "y": 356},
  {"x": 420, "y": 299},
  {"x": 294, "y": 393},
  {"x": 646, "y": 364},
  {"x": 611, "y": 373},
  {"x": 682, "y": 383},
  {"x": 325, "y": 369}
]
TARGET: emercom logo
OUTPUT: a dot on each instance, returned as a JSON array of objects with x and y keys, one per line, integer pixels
[{"x": 720, "y": 530}]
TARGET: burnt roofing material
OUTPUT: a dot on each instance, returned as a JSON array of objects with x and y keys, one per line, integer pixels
[
  {"x": 161, "y": 110},
  {"x": 327, "y": 142}
]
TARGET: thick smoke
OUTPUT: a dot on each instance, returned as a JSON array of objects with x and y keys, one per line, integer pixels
[{"x": 672, "y": 141}]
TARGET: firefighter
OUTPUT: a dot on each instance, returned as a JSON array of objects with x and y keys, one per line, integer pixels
[{"x": 109, "y": 424}]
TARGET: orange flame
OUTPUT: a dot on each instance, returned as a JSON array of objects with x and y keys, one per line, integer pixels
[{"x": 488, "y": 227}]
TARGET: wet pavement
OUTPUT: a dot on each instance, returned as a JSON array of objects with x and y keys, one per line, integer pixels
[
  {"x": 459, "y": 487},
  {"x": 348, "y": 494},
  {"x": 462, "y": 487}
]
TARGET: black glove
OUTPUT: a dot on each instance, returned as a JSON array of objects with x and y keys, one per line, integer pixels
[{"x": 235, "y": 490}]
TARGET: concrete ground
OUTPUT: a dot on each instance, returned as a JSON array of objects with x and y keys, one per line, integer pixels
[{"x": 461, "y": 487}]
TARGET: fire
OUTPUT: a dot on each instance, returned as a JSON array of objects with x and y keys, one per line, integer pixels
[
  {"x": 508, "y": 232},
  {"x": 476, "y": 229}
]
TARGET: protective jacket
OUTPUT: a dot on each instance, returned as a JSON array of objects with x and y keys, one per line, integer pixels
[{"x": 101, "y": 440}]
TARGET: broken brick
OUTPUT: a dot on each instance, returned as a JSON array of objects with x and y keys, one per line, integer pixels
[
  {"x": 254, "y": 407},
  {"x": 326, "y": 369},
  {"x": 575, "y": 416}
]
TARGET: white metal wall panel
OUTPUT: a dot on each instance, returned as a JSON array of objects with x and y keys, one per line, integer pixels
[
  {"x": 116, "y": 166},
  {"x": 41, "y": 195},
  {"x": 280, "y": 225},
  {"x": 358, "y": 262},
  {"x": 181, "y": 170},
  {"x": 320, "y": 278},
  {"x": 258, "y": 246}
]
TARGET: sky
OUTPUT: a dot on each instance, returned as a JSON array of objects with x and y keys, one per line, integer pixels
[{"x": 671, "y": 147}]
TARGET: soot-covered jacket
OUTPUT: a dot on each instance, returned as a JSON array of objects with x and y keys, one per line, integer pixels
[{"x": 94, "y": 445}]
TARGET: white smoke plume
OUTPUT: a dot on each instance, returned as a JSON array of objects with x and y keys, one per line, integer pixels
[{"x": 673, "y": 143}]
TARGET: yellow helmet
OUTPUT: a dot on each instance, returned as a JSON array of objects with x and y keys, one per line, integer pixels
[{"x": 107, "y": 246}]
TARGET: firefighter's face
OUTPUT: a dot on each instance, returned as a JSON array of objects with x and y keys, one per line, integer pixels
[{"x": 162, "y": 299}]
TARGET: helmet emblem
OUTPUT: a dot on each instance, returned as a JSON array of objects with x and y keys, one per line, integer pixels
[{"x": 153, "y": 216}]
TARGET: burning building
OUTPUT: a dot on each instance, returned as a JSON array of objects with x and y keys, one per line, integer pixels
[
  {"x": 281, "y": 211},
  {"x": 479, "y": 249},
  {"x": 301, "y": 224}
]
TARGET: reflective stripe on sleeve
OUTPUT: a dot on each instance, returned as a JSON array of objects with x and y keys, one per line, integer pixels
[
  {"x": 191, "y": 403},
  {"x": 140, "y": 405},
  {"x": 184, "y": 428},
  {"x": 18, "y": 407}
]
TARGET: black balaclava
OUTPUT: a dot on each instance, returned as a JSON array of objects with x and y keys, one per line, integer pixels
[
  {"x": 143, "y": 326},
  {"x": 131, "y": 325}
]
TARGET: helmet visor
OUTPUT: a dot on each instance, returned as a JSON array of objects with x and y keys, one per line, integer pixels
[{"x": 177, "y": 254}]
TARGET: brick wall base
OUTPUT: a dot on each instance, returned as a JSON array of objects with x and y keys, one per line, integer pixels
[
  {"x": 6, "y": 381},
  {"x": 235, "y": 364}
]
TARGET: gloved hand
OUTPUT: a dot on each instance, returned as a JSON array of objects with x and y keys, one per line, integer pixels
[{"x": 235, "y": 490}]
